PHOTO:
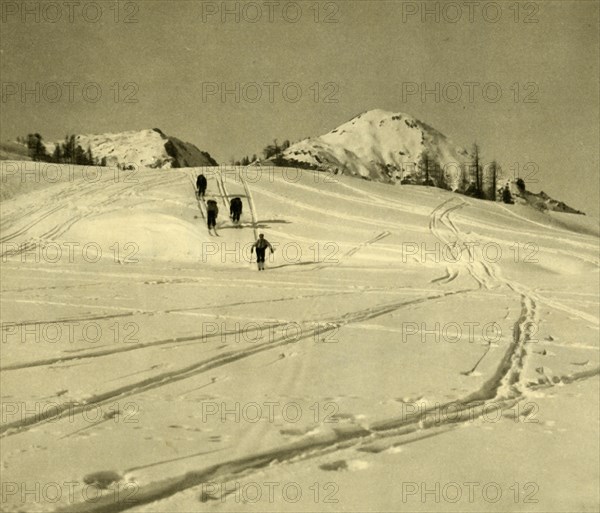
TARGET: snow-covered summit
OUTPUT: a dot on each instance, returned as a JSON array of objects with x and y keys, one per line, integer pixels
[
  {"x": 142, "y": 148},
  {"x": 380, "y": 145}
]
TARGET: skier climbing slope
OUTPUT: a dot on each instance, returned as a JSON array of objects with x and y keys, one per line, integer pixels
[
  {"x": 261, "y": 246},
  {"x": 201, "y": 184},
  {"x": 235, "y": 210},
  {"x": 212, "y": 211}
]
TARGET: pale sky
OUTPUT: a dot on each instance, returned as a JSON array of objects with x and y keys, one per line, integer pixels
[{"x": 365, "y": 57}]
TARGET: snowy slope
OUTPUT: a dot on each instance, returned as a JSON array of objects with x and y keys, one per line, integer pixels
[
  {"x": 142, "y": 148},
  {"x": 10, "y": 150},
  {"x": 542, "y": 201},
  {"x": 170, "y": 327},
  {"x": 381, "y": 145}
]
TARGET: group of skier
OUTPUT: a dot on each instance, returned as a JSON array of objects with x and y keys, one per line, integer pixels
[{"x": 235, "y": 212}]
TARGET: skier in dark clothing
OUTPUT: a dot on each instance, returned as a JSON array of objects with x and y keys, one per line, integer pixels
[
  {"x": 212, "y": 211},
  {"x": 201, "y": 184},
  {"x": 507, "y": 196},
  {"x": 235, "y": 209},
  {"x": 261, "y": 246}
]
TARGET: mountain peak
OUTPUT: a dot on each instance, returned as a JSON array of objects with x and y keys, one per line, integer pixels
[
  {"x": 149, "y": 147},
  {"x": 380, "y": 145}
]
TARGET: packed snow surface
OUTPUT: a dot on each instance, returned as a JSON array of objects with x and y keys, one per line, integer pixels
[{"x": 402, "y": 338}]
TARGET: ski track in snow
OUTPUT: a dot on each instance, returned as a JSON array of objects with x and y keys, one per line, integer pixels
[
  {"x": 323, "y": 325},
  {"x": 73, "y": 194},
  {"x": 504, "y": 388}
]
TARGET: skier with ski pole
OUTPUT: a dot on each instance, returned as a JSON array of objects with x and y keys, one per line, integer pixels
[{"x": 261, "y": 246}]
